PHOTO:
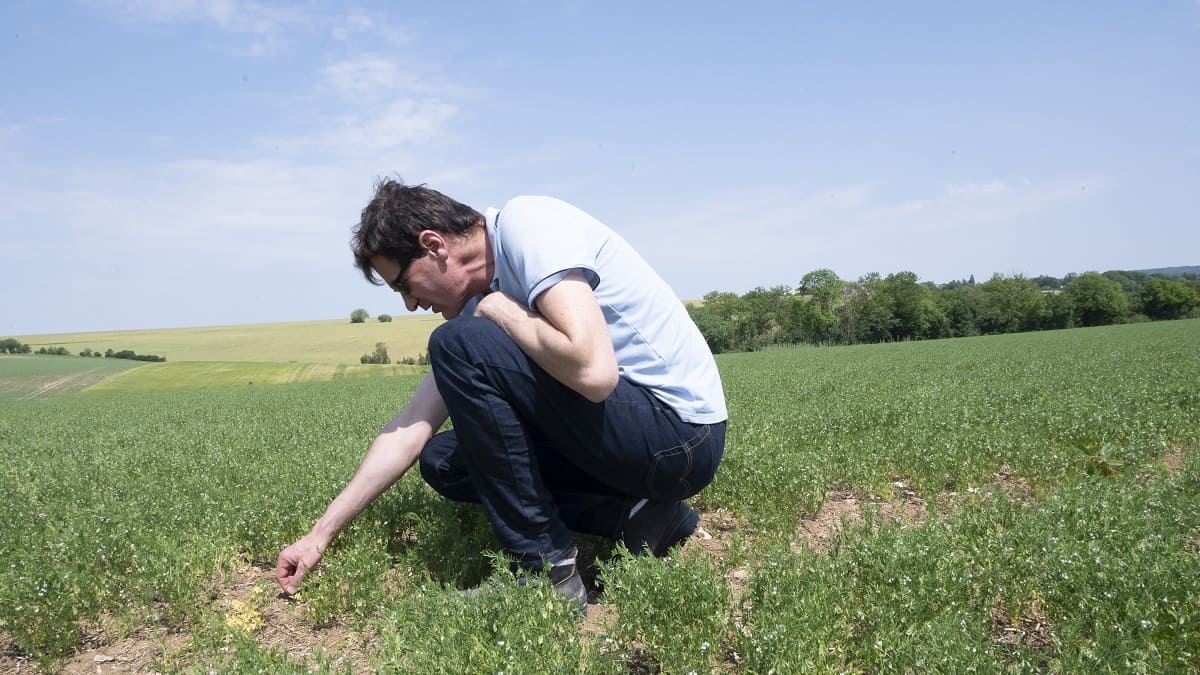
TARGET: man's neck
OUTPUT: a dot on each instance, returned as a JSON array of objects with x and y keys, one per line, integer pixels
[{"x": 477, "y": 259}]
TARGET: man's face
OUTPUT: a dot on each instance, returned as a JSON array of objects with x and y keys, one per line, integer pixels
[{"x": 430, "y": 281}]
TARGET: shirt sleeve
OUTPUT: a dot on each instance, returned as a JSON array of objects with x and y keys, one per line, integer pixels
[{"x": 544, "y": 239}]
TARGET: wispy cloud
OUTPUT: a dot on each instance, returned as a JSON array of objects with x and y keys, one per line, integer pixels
[
  {"x": 358, "y": 23},
  {"x": 10, "y": 133},
  {"x": 243, "y": 213},
  {"x": 366, "y": 77},
  {"x": 853, "y": 229},
  {"x": 384, "y": 128},
  {"x": 379, "y": 103},
  {"x": 266, "y": 24},
  {"x": 964, "y": 206}
]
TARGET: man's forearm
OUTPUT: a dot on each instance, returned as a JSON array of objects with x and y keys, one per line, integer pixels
[
  {"x": 383, "y": 465},
  {"x": 394, "y": 450}
]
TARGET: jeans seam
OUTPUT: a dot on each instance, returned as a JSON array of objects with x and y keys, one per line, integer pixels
[{"x": 684, "y": 448}]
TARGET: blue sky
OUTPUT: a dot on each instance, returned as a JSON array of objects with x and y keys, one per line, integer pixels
[{"x": 183, "y": 163}]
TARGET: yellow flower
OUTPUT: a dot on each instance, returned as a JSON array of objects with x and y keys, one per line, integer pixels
[{"x": 243, "y": 617}]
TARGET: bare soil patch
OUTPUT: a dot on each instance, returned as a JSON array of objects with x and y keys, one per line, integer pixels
[
  {"x": 1015, "y": 489},
  {"x": 1030, "y": 629},
  {"x": 716, "y": 537},
  {"x": 1173, "y": 460},
  {"x": 248, "y": 600},
  {"x": 251, "y": 591},
  {"x": 102, "y": 652},
  {"x": 138, "y": 653},
  {"x": 598, "y": 622},
  {"x": 844, "y": 507}
]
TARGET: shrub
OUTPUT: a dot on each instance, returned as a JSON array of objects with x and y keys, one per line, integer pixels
[
  {"x": 380, "y": 356},
  {"x": 13, "y": 346},
  {"x": 54, "y": 351},
  {"x": 359, "y": 315},
  {"x": 133, "y": 356},
  {"x": 385, "y": 318},
  {"x": 421, "y": 360}
]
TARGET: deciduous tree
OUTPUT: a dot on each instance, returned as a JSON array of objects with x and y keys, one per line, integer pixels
[
  {"x": 1099, "y": 301},
  {"x": 1168, "y": 298}
]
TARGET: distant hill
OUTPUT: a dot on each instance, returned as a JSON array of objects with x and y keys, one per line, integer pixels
[
  {"x": 1173, "y": 271},
  {"x": 334, "y": 341}
]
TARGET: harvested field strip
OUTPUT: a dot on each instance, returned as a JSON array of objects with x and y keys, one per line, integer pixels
[
  {"x": 41, "y": 377},
  {"x": 191, "y": 375}
]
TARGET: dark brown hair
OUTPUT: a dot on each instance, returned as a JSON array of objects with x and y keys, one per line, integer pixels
[{"x": 394, "y": 218}]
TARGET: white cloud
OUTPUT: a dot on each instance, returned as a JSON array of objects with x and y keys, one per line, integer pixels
[
  {"x": 241, "y": 212},
  {"x": 11, "y": 134},
  {"x": 365, "y": 78},
  {"x": 399, "y": 123},
  {"x": 359, "y": 23},
  {"x": 266, "y": 23},
  {"x": 201, "y": 242},
  {"x": 976, "y": 190},
  {"x": 785, "y": 230},
  {"x": 965, "y": 206}
]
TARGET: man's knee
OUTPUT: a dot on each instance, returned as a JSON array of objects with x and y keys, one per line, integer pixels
[
  {"x": 431, "y": 471},
  {"x": 440, "y": 470}
]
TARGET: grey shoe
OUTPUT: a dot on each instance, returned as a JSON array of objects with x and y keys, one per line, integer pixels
[
  {"x": 566, "y": 580},
  {"x": 563, "y": 578},
  {"x": 658, "y": 526}
]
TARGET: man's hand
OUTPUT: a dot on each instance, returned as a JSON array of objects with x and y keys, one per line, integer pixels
[
  {"x": 394, "y": 450},
  {"x": 568, "y": 336},
  {"x": 296, "y": 561}
]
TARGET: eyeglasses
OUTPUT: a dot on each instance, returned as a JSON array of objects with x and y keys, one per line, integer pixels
[{"x": 400, "y": 284}]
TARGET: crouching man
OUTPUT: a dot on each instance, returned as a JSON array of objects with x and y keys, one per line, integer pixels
[{"x": 584, "y": 398}]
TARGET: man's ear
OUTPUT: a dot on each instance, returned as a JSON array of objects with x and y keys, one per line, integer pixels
[{"x": 433, "y": 242}]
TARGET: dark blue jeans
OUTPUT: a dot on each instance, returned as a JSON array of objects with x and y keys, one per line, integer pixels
[{"x": 542, "y": 459}]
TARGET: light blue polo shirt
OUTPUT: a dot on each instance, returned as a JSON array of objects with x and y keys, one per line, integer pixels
[{"x": 537, "y": 240}]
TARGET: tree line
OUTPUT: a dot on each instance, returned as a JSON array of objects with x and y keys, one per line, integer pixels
[
  {"x": 824, "y": 309},
  {"x": 15, "y": 346}
]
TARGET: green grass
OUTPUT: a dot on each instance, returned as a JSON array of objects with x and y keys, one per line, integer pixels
[
  {"x": 39, "y": 377},
  {"x": 324, "y": 342},
  {"x": 127, "y": 505},
  {"x": 945, "y": 415}
]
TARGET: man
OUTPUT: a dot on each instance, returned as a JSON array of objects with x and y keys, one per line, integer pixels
[{"x": 583, "y": 396}]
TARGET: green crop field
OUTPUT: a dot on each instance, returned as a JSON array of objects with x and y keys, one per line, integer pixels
[
  {"x": 334, "y": 341},
  {"x": 1000, "y": 504}
]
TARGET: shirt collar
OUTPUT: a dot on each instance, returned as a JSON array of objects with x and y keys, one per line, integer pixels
[{"x": 492, "y": 220}]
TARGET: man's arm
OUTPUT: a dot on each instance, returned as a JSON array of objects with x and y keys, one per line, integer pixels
[
  {"x": 394, "y": 450},
  {"x": 568, "y": 336}
]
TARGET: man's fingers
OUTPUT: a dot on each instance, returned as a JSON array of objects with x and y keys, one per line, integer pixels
[{"x": 291, "y": 567}]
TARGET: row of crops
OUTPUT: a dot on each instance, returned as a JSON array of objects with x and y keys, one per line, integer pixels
[{"x": 122, "y": 508}]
